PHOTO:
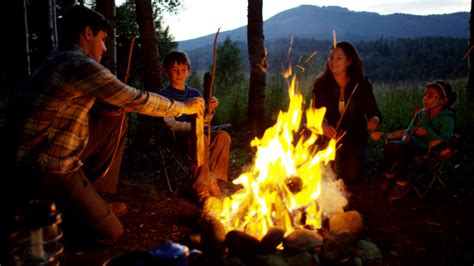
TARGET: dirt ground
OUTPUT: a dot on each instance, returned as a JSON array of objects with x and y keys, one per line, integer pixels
[{"x": 436, "y": 230}]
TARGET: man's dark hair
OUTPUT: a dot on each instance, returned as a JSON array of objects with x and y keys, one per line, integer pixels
[{"x": 76, "y": 19}]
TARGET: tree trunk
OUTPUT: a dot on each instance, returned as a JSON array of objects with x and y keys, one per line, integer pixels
[
  {"x": 107, "y": 8},
  {"x": 43, "y": 37},
  {"x": 470, "y": 82},
  {"x": 256, "y": 50},
  {"x": 149, "y": 42},
  {"x": 15, "y": 69},
  {"x": 151, "y": 66}
]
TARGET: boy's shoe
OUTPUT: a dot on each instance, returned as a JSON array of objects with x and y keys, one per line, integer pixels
[
  {"x": 384, "y": 184},
  {"x": 215, "y": 190},
  {"x": 202, "y": 196},
  {"x": 389, "y": 174},
  {"x": 118, "y": 208},
  {"x": 402, "y": 182}
]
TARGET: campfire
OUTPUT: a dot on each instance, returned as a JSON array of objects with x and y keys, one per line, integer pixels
[
  {"x": 290, "y": 206},
  {"x": 284, "y": 186}
]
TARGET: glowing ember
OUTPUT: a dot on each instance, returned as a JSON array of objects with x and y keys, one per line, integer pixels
[{"x": 285, "y": 180}]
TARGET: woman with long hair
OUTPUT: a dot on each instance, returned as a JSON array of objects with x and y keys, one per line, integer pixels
[{"x": 351, "y": 110}]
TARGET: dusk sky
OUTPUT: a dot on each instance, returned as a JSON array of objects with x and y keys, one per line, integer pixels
[{"x": 203, "y": 17}]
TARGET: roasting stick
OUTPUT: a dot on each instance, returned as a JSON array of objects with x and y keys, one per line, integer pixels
[
  {"x": 345, "y": 107},
  {"x": 198, "y": 126},
  {"x": 211, "y": 86},
  {"x": 338, "y": 138},
  {"x": 122, "y": 113},
  {"x": 342, "y": 116}
]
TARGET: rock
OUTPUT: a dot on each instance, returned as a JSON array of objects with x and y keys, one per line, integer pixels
[
  {"x": 368, "y": 251},
  {"x": 234, "y": 261},
  {"x": 338, "y": 246},
  {"x": 212, "y": 235},
  {"x": 348, "y": 221},
  {"x": 302, "y": 258},
  {"x": 302, "y": 240},
  {"x": 275, "y": 259},
  {"x": 271, "y": 240},
  {"x": 241, "y": 244},
  {"x": 358, "y": 261}
]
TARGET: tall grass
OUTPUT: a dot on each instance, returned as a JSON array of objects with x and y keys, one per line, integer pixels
[
  {"x": 233, "y": 101},
  {"x": 398, "y": 101}
]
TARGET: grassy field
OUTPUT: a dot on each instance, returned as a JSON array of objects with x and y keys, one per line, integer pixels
[{"x": 397, "y": 101}]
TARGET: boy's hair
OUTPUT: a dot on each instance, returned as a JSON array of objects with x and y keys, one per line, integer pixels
[
  {"x": 76, "y": 19},
  {"x": 175, "y": 56},
  {"x": 445, "y": 90}
]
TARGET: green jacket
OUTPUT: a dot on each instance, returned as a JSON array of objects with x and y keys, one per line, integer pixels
[{"x": 440, "y": 127}]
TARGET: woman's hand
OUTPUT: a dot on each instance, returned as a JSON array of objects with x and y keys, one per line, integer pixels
[
  {"x": 376, "y": 135},
  {"x": 420, "y": 131},
  {"x": 329, "y": 131},
  {"x": 373, "y": 123}
]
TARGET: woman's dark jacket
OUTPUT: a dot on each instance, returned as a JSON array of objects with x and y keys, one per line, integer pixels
[{"x": 361, "y": 107}]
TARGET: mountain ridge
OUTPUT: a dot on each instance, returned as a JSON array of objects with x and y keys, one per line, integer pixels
[{"x": 349, "y": 25}]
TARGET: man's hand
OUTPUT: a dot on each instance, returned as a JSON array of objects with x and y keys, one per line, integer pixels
[{"x": 194, "y": 106}]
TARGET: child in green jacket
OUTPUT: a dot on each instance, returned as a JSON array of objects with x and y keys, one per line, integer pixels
[{"x": 429, "y": 132}]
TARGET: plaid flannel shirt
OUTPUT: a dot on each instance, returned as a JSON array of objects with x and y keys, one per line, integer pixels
[{"x": 57, "y": 100}]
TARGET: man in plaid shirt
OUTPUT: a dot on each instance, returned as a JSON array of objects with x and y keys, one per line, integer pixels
[{"x": 68, "y": 151}]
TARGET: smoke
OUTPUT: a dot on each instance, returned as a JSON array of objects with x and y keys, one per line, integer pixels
[{"x": 333, "y": 196}]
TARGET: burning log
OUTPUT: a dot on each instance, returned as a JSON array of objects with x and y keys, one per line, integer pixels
[{"x": 294, "y": 184}]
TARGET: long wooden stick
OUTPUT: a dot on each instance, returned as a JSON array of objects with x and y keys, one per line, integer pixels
[
  {"x": 130, "y": 52},
  {"x": 211, "y": 86},
  {"x": 122, "y": 113},
  {"x": 345, "y": 107}
]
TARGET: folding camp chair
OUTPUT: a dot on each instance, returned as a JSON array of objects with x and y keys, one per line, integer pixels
[
  {"x": 174, "y": 154},
  {"x": 426, "y": 172},
  {"x": 173, "y": 157}
]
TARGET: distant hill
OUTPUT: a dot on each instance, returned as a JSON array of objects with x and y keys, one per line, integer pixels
[{"x": 314, "y": 22}]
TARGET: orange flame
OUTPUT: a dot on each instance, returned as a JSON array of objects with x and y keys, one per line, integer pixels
[{"x": 282, "y": 187}]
